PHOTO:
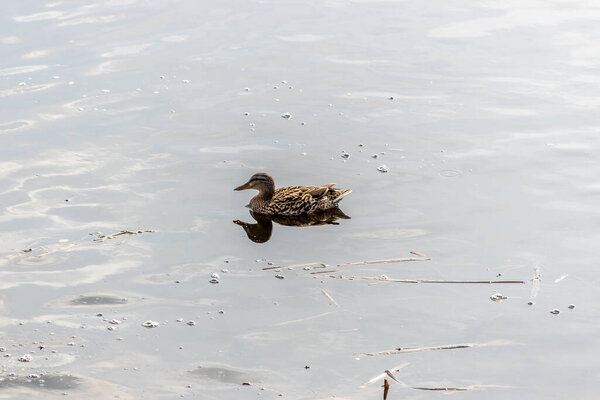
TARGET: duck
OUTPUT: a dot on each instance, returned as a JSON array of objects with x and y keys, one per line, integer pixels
[{"x": 291, "y": 200}]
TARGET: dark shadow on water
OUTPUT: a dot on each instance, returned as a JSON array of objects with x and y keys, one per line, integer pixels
[
  {"x": 260, "y": 232},
  {"x": 97, "y": 300},
  {"x": 50, "y": 382}
]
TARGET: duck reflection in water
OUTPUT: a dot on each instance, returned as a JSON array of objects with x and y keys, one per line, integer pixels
[{"x": 261, "y": 231}]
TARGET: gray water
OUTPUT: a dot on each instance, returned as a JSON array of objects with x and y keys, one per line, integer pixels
[{"x": 143, "y": 116}]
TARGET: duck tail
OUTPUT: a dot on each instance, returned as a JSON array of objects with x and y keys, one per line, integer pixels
[{"x": 341, "y": 194}]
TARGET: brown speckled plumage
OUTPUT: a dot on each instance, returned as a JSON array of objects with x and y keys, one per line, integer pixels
[{"x": 291, "y": 200}]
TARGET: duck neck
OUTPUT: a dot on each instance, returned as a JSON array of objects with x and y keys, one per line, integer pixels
[{"x": 266, "y": 193}]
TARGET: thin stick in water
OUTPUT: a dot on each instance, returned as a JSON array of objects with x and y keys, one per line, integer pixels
[
  {"x": 444, "y": 347},
  {"x": 329, "y": 297}
]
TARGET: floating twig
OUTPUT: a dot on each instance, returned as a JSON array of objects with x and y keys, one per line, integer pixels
[
  {"x": 387, "y": 373},
  {"x": 329, "y": 297},
  {"x": 329, "y": 271},
  {"x": 417, "y": 349},
  {"x": 418, "y": 254},
  {"x": 386, "y": 388},
  {"x": 323, "y": 265},
  {"x": 383, "y": 279},
  {"x": 461, "y": 389},
  {"x": 560, "y": 278},
  {"x": 291, "y": 266},
  {"x": 101, "y": 238},
  {"x": 392, "y": 260}
]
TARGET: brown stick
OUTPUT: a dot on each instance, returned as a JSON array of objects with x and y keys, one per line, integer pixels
[
  {"x": 417, "y": 349},
  {"x": 375, "y": 278},
  {"x": 391, "y": 260},
  {"x": 329, "y": 297}
]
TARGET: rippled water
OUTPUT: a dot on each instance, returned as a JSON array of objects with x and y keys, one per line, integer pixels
[{"x": 143, "y": 116}]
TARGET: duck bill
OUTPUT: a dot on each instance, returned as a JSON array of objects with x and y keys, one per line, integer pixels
[{"x": 244, "y": 186}]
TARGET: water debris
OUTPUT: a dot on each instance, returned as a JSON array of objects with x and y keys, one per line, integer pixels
[
  {"x": 25, "y": 358},
  {"x": 214, "y": 278},
  {"x": 279, "y": 276},
  {"x": 286, "y": 115},
  {"x": 100, "y": 237},
  {"x": 383, "y": 168},
  {"x": 378, "y": 278},
  {"x": 27, "y": 250},
  {"x": 556, "y": 311},
  {"x": 345, "y": 155},
  {"x": 150, "y": 324},
  {"x": 430, "y": 348},
  {"x": 329, "y": 297},
  {"x": 498, "y": 297},
  {"x": 560, "y": 278},
  {"x": 323, "y": 265},
  {"x": 460, "y": 389},
  {"x": 191, "y": 323},
  {"x": 386, "y": 388},
  {"x": 114, "y": 322},
  {"x": 375, "y": 156},
  {"x": 571, "y": 306},
  {"x": 388, "y": 372}
]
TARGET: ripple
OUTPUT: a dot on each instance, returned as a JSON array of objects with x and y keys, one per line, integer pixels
[
  {"x": 301, "y": 38},
  {"x": 45, "y": 381},
  {"x": 13, "y": 126},
  {"x": 25, "y": 69},
  {"x": 126, "y": 50},
  {"x": 100, "y": 299},
  {"x": 393, "y": 233}
]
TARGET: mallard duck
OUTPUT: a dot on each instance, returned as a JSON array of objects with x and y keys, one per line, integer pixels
[{"x": 290, "y": 200}]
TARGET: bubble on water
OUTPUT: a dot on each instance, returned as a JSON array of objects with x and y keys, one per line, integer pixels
[
  {"x": 498, "y": 297},
  {"x": 345, "y": 154},
  {"x": 556, "y": 311},
  {"x": 383, "y": 168},
  {"x": 286, "y": 115},
  {"x": 111, "y": 328},
  {"x": 150, "y": 324},
  {"x": 224, "y": 270},
  {"x": 571, "y": 306},
  {"x": 213, "y": 280},
  {"x": 25, "y": 358},
  {"x": 306, "y": 268},
  {"x": 247, "y": 89},
  {"x": 530, "y": 302},
  {"x": 185, "y": 81},
  {"x": 214, "y": 275},
  {"x": 114, "y": 322},
  {"x": 71, "y": 344},
  {"x": 105, "y": 91},
  {"x": 179, "y": 320},
  {"x": 279, "y": 276},
  {"x": 191, "y": 323}
]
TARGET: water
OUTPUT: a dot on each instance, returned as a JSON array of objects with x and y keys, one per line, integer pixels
[{"x": 144, "y": 117}]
